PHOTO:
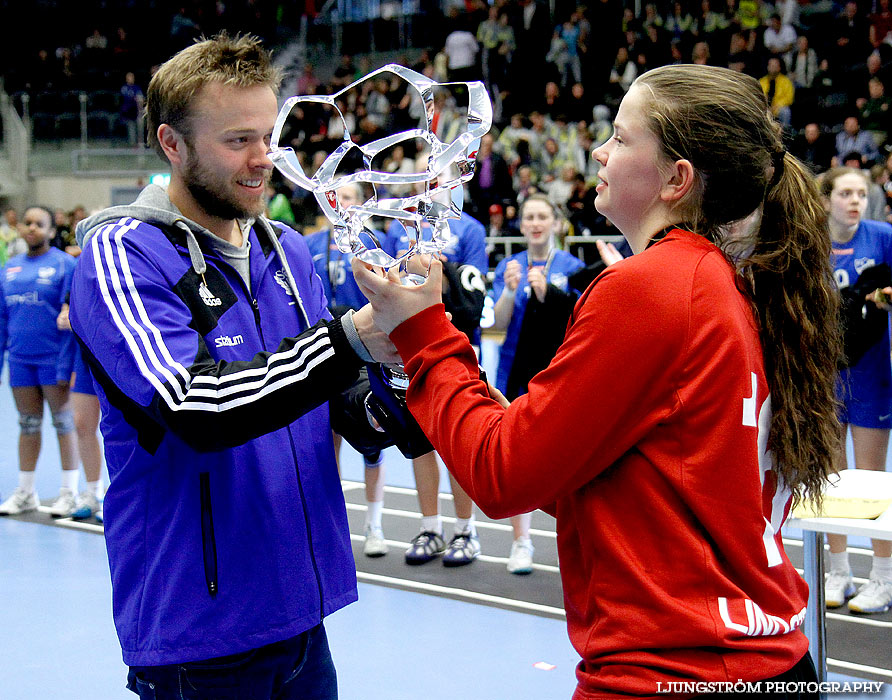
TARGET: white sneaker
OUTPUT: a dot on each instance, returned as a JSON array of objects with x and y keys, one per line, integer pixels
[
  {"x": 838, "y": 588},
  {"x": 86, "y": 506},
  {"x": 20, "y": 502},
  {"x": 521, "y": 559},
  {"x": 64, "y": 505},
  {"x": 875, "y": 596},
  {"x": 374, "y": 546}
]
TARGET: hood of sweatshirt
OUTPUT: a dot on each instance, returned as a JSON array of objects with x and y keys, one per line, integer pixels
[{"x": 153, "y": 206}]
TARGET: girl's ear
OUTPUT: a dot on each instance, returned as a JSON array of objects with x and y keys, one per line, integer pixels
[{"x": 679, "y": 183}]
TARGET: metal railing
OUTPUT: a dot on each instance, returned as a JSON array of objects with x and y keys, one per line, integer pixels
[{"x": 115, "y": 161}]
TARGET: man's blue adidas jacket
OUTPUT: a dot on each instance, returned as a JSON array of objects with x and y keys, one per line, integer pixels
[{"x": 225, "y": 521}]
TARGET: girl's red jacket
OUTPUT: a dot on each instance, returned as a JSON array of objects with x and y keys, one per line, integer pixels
[{"x": 646, "y": 439}]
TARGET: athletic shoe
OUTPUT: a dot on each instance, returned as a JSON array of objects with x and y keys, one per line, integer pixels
[
  {"x": 520, "y": 560},
  {"x": 838, "y": 588},
  {"x": 87, "y": 505},
  {"x": 374, "y": 546},
  {"x": 425, "y": 547},
  {"x": 875, "y": 596},
  {"x": 99, "y": 515},
  {"x": 463, "y": 549},
  {"x": 20, "y": 502},
  {"x": 64, "y": 505}
]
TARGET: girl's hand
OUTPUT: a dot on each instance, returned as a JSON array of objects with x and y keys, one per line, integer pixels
[
  {"x": 538, "y": 283},
  {"x": 393, "y": 302},
  {"x": 512, "y": 275},
  {"x": 608, "y": 252},
  {"x": 882, "y": 298},
  {"x": 62, "y": 322},
  {"x": 498, "y": 396}
]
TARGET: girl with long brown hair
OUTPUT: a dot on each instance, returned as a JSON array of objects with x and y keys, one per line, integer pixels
[{"x": 691, "y": 401}]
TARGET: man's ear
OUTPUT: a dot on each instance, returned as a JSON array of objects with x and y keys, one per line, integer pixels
[
  {"x": 172, "y": 143},
  {"x": 679, "y": 183}
]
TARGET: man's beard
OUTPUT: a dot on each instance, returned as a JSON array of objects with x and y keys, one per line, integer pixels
[{"x": 212, "y": 195}]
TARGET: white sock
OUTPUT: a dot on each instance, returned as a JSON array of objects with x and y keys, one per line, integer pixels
[
  {"x": 373, "y": 514},
  {"x": 464, "y": 525},
  {"x": 882, "y": 568},
  {"x": 95, "y": 487},
  {"x": 839, "y": 561},
  {"x": 69, "y": 479},
  {"x": 432, "y": 523},
  {"x": 26, "y": 481}
]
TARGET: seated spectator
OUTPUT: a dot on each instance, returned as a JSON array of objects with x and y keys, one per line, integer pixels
[
  {"x": 700, "y": 54},
  {"x": 875, "y": 112},
  {"x": 779, "y": 39},
  {"x": 492, "y": 182},
  {"x": 740, "y": 55},
  {"x": 343, "y": 74},
  {"x": 803, "y": 65},
  {"x": 859, "y": 76},
  {"x": 541, "y": 129},
  {"x": 779, "y": 91},
  {"x": 400, "y": 164},
  {"x": 652, "y": 18},
  {"x": 506, "y": 145},
  {"x": 553, "y": 103},
  {"x": 524, "y": 183},
  {"x": 581, "y": 206},
  {"x": 680, "y": 24},
  {"x": 853, "y": 139},
  {"x": 307, "y": 82},
  {"x": 579, "y": 107},
  {"x": 622, "y": 75},
  {"x": 560, "y": 188},
  {"x": 814, "y": 147},
  {"x": 851, "y": 36},
  {"x": 712, "y": 23},
  {"x": 751, "y": 14}
]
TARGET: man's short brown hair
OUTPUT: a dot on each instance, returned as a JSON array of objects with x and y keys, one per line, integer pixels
[{"x": 239, "y": 61}]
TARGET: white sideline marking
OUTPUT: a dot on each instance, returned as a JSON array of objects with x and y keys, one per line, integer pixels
[
  {"x": 848, "y": 665},
  {"x": 459, "y": 593},
  {"x": 479, "y": 524}
]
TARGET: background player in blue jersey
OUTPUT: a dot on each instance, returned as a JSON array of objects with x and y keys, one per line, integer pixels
[
  {"x": 533, "y": 305},
  {"x": 85, "y": 406},
  {"x": 465, "y": 260},
  {"x": 33, "y": 286},
  {"x": 859, "y": 247},
  {"x": 333, "y": 268}
]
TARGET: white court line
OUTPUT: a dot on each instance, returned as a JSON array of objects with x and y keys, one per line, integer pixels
[
  {"x": 481, "y": 557},
  {"x": 859, "y": 620},
  {"x": 479, "y": 524},
  {"x": 849, "y": 666},
  {"x": 460, "y": 593}
]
